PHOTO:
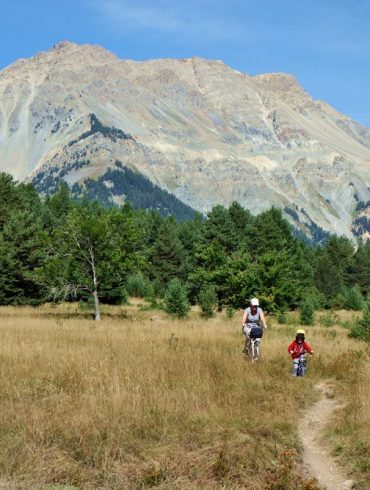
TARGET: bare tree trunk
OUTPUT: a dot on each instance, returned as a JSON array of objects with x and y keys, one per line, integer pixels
[
  {"x": 95, "y": 292},
  {"x": 96, "y": 304}
]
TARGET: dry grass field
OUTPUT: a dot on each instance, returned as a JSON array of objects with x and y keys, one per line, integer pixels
[{"x": 143, "y": 400}]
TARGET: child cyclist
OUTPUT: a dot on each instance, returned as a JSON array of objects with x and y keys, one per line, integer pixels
[{"x": 298, "y": 347}]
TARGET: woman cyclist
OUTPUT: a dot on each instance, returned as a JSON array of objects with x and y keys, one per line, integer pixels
[{"x": 252, "y": 317}]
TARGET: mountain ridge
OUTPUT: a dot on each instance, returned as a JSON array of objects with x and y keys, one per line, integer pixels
[{"x": 198, "y": 129}]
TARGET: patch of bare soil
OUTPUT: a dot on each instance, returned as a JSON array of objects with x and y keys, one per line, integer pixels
[{"x": 317, "y": 459}]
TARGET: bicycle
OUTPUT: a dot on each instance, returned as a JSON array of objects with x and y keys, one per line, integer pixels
[
  {"x": 254, "y": 349},
  {"x": 302, "y": 365}
]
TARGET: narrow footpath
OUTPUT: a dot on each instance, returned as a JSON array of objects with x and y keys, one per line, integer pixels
[{"x": 317, "y": 459}]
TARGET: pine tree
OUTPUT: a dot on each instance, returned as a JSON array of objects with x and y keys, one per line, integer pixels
[
  {"x": 328, "y": 277},
  {"x": 59, "y": 204},
  {"x": 175, "y": 299},
  {"x": 270, "y": 231},
  {"x": 139, "y": 286},
  {"x": 22, "y": 251},
  {"x": 359, "y": 269},
  {"x": 361, "y": 328},
  {"x": 332, "y": 267},
  {"x": 220, "y": 228},
  {"x": 351, "y": 298},
  {"x": 11, "y": 198},
  {"x": 207, "y": 301},
  {"x": 307, "y": 310},
  {"x": 168, "y": 257}
]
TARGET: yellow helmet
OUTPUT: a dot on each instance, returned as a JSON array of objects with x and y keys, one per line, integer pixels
[{"x": 301, "y": 331}]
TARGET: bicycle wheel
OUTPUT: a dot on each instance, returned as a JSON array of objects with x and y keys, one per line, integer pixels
[
  {"x": 256, "y": 349},
  {"x": 259, "y": 350},
  {"x": 250, "y": 348},
  {"x": 300, "y": 370}
]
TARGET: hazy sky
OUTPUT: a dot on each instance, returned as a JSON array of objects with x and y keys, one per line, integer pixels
[{"x": 324, "y": 43}]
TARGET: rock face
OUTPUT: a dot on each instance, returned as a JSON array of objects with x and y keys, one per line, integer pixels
[{"x": 196, "y": 128}]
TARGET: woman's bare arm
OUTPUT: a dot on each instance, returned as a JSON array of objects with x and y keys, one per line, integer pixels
[
  {"x": 263, "y": 319},
  {"x": 244, "y": 319}
]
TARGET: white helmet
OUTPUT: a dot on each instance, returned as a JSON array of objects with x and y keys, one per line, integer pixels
[{"x": 255, "y": 302}]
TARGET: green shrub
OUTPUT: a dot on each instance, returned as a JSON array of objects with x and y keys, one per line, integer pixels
[
  {"x": 347, "y": 324},
  {"x": 282, "y": 316},
  {"x": 307, "y": 310},
  {"x": 351, "y": 298},
  {"x": 123, "y": 296},
  {"x": 175, "y": 299},
  {"x": 316, "y": 296},
  {"x": 207, "y": 300},
  {"x": 139, "y": 286},
  {"x": 86, "y": 304},
  {"x": 329, "y": 319},
  {"x": 360, "y": 331},
  {"x": 230, "y": 312},
  {"x": 154, "y": 303},
  {"x": 361, "y": 328}
]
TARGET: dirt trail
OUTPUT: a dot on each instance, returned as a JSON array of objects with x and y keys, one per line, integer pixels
[{"x": 317, "y": 460}]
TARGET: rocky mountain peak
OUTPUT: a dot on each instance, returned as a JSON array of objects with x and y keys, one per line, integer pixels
[
  {"x": 198, "y": 129},
  {"x": 278, "y": 81},
  {"x": 284, "y": 86},
  {"x": 64, "y": 46}
]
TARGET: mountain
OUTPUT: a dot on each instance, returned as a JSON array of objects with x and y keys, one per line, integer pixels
[{"x": 195, "y": 129}]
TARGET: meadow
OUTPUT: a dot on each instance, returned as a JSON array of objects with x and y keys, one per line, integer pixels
[{"x": 143, "y": 400}]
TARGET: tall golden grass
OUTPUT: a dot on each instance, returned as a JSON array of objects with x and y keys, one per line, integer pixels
[{"x": 143, "y": 400}]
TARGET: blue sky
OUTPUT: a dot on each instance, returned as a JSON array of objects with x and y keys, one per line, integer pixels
[{"x": 325, "y": 44}]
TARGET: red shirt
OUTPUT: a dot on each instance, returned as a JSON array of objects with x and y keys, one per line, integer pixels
[{"x": 298, "y": 349}]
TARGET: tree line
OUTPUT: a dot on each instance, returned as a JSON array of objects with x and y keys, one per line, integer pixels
[{"x": 59, "y": 248}]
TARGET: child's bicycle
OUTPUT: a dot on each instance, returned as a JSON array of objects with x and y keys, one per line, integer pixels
[{"x": 302, "y": 365}]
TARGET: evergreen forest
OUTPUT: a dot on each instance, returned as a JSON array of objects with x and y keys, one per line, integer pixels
[{"x": 59, "y": 248}]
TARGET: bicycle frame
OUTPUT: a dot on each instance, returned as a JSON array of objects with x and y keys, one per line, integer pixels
[
  {"x": 302, "y": 365},
  {"x": 254, "y": 349}
]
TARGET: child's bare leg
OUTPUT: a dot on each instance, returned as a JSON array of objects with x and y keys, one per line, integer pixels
[{"x": 295, "y": 367}]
